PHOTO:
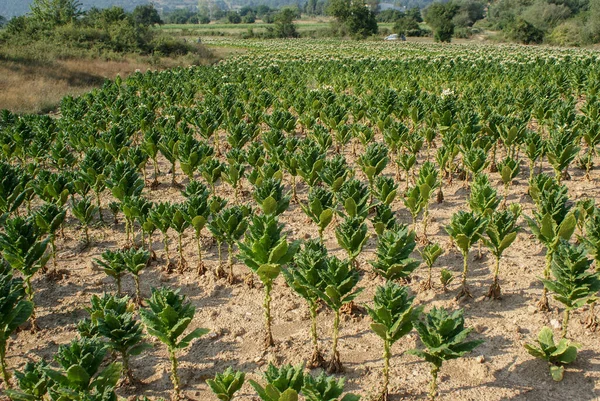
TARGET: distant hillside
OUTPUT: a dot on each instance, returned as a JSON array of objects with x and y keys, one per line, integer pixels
[{"x": 12, "y": 8}]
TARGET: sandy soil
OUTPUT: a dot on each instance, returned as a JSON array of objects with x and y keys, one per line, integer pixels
[{"x": 500, "y": 369}]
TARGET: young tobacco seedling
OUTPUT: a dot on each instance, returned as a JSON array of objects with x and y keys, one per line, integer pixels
[
  {"x": 180, "y": 224},
  {"x": 336, "y": 289},
  {"x": 265, "y": 250},
  {"x": 354, "y": 198},
  {"x": 446, "y": 277},
  {"x": 196, "y": 211},
  {"x": 326, "y": 388},
  {"x": 393, "y": 261},
  {"x": 373, "y": 161},
  {"x": 49, "y": 218},
  {"x": 466, "y": 229},
  {"x": 334, "y": 173},
  {"x": 135, "y": 261},
  {"x": 270, "y": 197},
  {"x": 283, "y": 384},
  {"x": 385, "y": 189},
  {"x": 229, "y": 226},
  {"x": 444, "y": 336},
  {"x": 33, "y": 383},
  {"x": 501, "y": 232},
  {"x": 124, "y": 334},
  {"x": 226, "y": 384},
  {"x": 383, "y": 219},
  {"x": 574, "y": 284},
  {"x": 557, "y": 355},
  {"x": 509, "y": 169},
  {"x": 430, "y": 253},
  {"x": 81, "y": 377},
  {"x": 552, "y": 221},
  {"x": 14, "y": 311},
  {"x": 352, "y": 235},
  {"x": 427, "y": 182},
  {"x": 167, "y": 317},
  {"x": 113, "y": 264},
  {"x": 319, "y": 208},
  {"x": 161, "y": 216},
  {"x": 392, "y": 315},
  {"x": 302, "y": 275}
]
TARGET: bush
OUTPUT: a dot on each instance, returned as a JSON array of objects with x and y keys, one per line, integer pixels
[
  {"x": 568, "y": 33},
  {"x": 203, "y": 19},
  {"x": 405, "y": 25},
  {"x": 524, "y": 32},
  {"x": 168, "y": 46},
  {"x": 248, "y": 19},
  {"x": 233, "y": 17}
]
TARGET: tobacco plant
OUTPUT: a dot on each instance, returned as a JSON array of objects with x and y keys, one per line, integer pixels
[
  {"x": 392, "y": 316},
  {"x": 196, "y": 211},
  {"x": 354, "y": 199},
  {"x": 509, "y": 170},
  {"x": 337, "y": 288},
  {"x": 466, "y": 229},
  {"x": 319, "y": 208},
  {"x": 430, "y": 253},
  {"x": 226, "y": 384},
  {"x": 302, "y": 276},
  {"x": 160, "y": 216},
  {"x": 135, "y": 261},
  {"x": 444, "y": 336},
  {"x": 14, "y": 311},
  {"x": 501, "y": 231},
  {"x": 84, "y": 210},
  {"x": 229, "y": 225},
  {"x": 113, "y": 264},
  {"x": 574, "y": 283},
  {"x": 81, "y": 376},
  {"x": 265, "y": 251},
  {"x": 49, "y": 218},
  {"x": 283, "y": 384},
  {"x": 373, "y": 161},
  {"x": 23, "y": 251},
  {"x": 552, "y": 221},
  {"x": 270, "y": 197},
  {"x": 557, "y": 355},
  {"x": 393, "y": 261},
  {"x": 352, "y": 235},
  {"x": 124, "y": 334},
  {"x": 326, "y": 388},
  {"x": 167, "y": 317},
  {"x": 33, "y": 383}
]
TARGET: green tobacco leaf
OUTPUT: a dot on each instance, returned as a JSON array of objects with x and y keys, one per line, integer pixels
[
  {"x": 567, "y": 227},
  {"x": 185, "y": 341},
  {"x": 557, "y": 372},
  {"x": 269, "y": 271},
  {"x": 269, "y": 205},
  {"x": 289, "y": 395},
  {"x": 77, "y": 375},
  {"x": 379, "y": 329}
]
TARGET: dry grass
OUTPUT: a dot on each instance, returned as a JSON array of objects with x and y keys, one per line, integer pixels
[{"x": 34, "y": 86}]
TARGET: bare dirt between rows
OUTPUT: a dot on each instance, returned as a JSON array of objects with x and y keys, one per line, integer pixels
[{"x": 500, "y": 369}]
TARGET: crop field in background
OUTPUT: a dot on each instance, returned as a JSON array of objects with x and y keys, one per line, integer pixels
[{"x": 393, "y": 220}]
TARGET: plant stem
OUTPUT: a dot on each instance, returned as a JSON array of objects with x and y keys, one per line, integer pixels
[
  {"x": 386, "y": 367},
  {"x": 336, "y": 325},
  {"x": 267, "y": 306},
  {"x": 433, "y": 387},
  {"x": 230, "y": 259},
  {"x": 174, "y": 375},
  {"x": 313, "y": 327},
  {"x": 99, "y": 208},
  {"x": 166, "y": 242},
  {"x": 5, "y": 374},
  {"x": 465, "y": 270},
  {"x": 138, "y": 294},
  {"x": 565, "y": 324},
  {"x": 118, "y": 279},
  {"x": 53, "y": 247},
  {"x": 126, "y": 367}
]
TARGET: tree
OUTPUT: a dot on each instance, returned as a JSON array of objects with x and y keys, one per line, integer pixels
[
  {"x": 2, "y": 21},
  {"x": 233, "y": 17},
  {"x": 356, "y": 16},
  {"x": 439, "y": 17},
  {"x": 146, "y": 15},
  {"x": 284, "y": 25},
  {"x": 51, "y": 13}
]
